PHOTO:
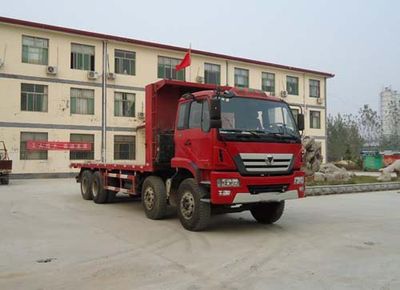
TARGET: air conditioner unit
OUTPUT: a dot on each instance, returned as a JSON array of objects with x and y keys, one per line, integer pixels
[
  {"x": 140, "y": 115},
  {"x": 200, "y": 79},
  {"x": 92, "y": 75},
  {"x": 320, "y": 101},
  {"x": 111, "y": 76},
  {"x": 283, "y": 94},
  {"x": 51, "y": 70}
]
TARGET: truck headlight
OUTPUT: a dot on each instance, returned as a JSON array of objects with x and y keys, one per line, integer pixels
[
  {"x": 228, "y": 182},
  {"x": 299, "y": 180}
]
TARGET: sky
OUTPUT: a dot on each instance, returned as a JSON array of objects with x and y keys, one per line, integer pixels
[{"x": 358, "y": 41}]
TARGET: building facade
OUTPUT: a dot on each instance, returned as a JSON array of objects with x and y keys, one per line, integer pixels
[
  {"x": 54, "y": 80},
  {"x": 390, "y": 109}
]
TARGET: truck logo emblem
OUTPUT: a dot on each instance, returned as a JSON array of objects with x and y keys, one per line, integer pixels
[{"x": 269, "y": 160}]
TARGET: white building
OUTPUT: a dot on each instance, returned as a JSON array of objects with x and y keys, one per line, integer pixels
[{"x": 390, "y": 109}]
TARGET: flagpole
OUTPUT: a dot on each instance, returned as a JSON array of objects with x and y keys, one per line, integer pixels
[{"x": 190, "y": 66}]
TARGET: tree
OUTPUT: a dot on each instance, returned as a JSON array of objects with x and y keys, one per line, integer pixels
[
  {"x": 370, "y": 127},
  {"x": 344, "y": 139}
]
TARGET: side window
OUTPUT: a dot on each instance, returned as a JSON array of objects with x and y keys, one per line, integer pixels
[
  {"x": 182, "y": 116},
  {"x": 195, "y": 115},
  {"x": 205, "y": 119}
]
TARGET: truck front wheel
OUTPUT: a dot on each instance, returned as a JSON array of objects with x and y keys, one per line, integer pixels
[
  {"x": 268, "y": 213},
  {"x": 194, "y": 214},
  {"x": 86, "y": 185},
  {"x": 154, "y": 197}
]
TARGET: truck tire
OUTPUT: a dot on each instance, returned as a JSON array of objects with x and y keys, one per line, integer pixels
[
  {"x": 193, "y": 213},
  {"x": 100, "y": 195},
  {"x": 268, "y": 213},
  {"x": 86, "y": 185},
  {"x": 5, "y": 179},
  {"x": 154, "y": 197}
]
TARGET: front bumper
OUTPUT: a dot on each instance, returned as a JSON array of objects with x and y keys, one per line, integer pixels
[{"x": 244, "y": 194}]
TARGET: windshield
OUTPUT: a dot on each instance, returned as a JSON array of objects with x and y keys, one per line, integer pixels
[{"x": 257, "y": 116}]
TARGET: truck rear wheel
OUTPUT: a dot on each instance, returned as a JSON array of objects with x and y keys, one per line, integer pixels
[
  {"x": 100, "y": 195},
  {"x": 86, "y": 185},
  {"x": 193, "y": 213},
  {"x": 268, "y": 213},
  {"x": 5, "y": 179},
  {"x": 154, "y": 197}
]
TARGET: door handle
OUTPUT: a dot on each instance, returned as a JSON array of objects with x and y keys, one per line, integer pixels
[{"x": 188, "y": 142}]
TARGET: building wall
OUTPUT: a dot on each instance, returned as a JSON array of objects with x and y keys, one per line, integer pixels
[
  {"x": 58, "y": 121},
  {"x": 389, "y": 108}
]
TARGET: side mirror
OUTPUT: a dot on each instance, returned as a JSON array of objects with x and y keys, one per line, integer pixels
[
  {"x": 215, "y": 109},
  {"x": 300, "y": 122}
]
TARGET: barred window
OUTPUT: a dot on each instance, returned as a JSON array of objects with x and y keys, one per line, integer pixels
[
  {"x": 33, "y": 97},
  {"x": 292, "y": 85},
  {"x": 82, "y": 57},
  {"x": 241, "y": 78},
  {"x": 82, "y": 155},
  {"x": 124, "y": 62},
  {"x": 124, "y": 104},
  {"x": 314, "y": 89},
  {"x": 268, "y": 83},
  {"x": 35, "y": 50},
  {"x": 124, "y": 147},
  {"x": 26, "y": 154},
  {"x": 82, "y": 101},
  {"x": 166, "y": 68},
  {"x": 212, "y": 73}
]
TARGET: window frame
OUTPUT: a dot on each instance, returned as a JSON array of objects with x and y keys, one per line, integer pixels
[
  {"x": 122, "y": 60},
  {"x": 312, "y": 112},
  {"x": 125, "y": 101},
  {"x": 24, "y": 154},
  {"x": 73, "y": 154},
  {"x": 75, "y": 58},
  {"x": 81, "y": 97},
  {"x": 25, "y": 46},
  {"x": 317, "y": 86},
  {"x": 206, "y": 75},
  {"x": 172, "y": 63},
  {"x": 120, "y": 143},
  {"x": 288, "y": 84},
  {"x": 236, "y": 76},
  {"x": 34, "y": 95},
  {"x": 264, "y": 77}
]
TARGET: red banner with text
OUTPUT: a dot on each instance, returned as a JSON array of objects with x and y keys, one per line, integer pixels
[{"x": 58, "y": 145}]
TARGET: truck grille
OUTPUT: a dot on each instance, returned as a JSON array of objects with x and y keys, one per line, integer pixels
[{"x": 259, "y": 163}]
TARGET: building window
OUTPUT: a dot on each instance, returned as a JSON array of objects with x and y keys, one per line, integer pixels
[
  {"x": 315, "y": 119},
  {"x": 35, "y": 50},
  {"x": 82, "y": 155},
  {"x": 212, "y": 73},
  {"x": 166, "y": 68},
  {"x": 124, "y": 147},
  {"x": 82, "y": 101},
  {"x": 292, "y": 85},
  {"x": 124, "y": 104},
  {"x": 241, "y": 78},
  {"x": 314, "y": 89},
  {"x": 125, "y": 62},
  {"x": 26, "y": 154},
  {"x": 33, "y": 98},
  {"x": 295, "y": 113},
  {"x": 82, "y": 57},
  {"x": 268, "y": 83}
]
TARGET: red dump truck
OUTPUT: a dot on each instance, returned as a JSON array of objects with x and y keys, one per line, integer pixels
[{"x": 208, "y": 150}]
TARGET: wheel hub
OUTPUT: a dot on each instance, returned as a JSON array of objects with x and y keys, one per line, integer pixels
[
  {"x": 149, "y": 198},
  {"x": 187, "y": 205}
]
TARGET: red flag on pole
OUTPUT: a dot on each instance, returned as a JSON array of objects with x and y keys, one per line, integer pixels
[{"x": 186, "y": 61}]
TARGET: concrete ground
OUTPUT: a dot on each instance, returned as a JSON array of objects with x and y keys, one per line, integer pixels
[{"x": 52, "y": 239}]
